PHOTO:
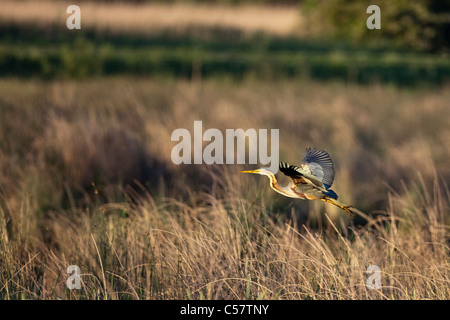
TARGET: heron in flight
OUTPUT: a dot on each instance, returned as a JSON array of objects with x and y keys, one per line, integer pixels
[{"x": 311, "y": 181}]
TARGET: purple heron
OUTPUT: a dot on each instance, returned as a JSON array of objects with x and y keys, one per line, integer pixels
[{"x": 311, "y": 181}]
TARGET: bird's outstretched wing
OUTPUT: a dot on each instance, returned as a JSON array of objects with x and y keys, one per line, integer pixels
[
  {"x": 319, "y": 164},
  {"x": 298, "y": 175}
]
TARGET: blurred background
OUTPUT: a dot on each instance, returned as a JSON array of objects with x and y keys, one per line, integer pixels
[
  {"x": 99, "y": 104},
  {"x": 86, "y": 116}
]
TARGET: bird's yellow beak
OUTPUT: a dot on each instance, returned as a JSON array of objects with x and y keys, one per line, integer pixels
[{"x": 257, "y": 171}]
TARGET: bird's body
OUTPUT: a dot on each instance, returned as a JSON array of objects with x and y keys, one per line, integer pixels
[{"x": 311, "y": 181}]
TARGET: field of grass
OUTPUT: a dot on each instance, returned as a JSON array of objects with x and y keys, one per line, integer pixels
[
  {"x": 72, "y": 149},
  {"x": 131, "y": 17},
  {"x": 86, "y": 176}
]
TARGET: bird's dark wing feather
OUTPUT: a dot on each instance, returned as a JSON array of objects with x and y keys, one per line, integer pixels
[
  {"x": 323, "y": 159},
  {"x": 291, "y": 171}
]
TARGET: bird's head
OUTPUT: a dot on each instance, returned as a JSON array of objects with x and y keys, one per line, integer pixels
[{"x": 261, "y": 171}]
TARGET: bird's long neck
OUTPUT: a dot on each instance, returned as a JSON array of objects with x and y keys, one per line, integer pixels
[{"x": 285, "y": 191}]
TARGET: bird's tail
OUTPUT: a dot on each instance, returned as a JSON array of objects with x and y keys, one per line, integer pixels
[{"x": 330, "y": 193}]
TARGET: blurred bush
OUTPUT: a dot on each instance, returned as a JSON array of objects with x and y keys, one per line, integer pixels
[{"x": 421, "y": 25}]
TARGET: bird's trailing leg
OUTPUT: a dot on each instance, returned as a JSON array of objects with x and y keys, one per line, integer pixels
[{"x": 343, "y": 207}]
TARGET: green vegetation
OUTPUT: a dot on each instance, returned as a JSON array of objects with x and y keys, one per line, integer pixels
[
  {"x": 419, "y": 25},
  {"x": 64, "y": 54}
]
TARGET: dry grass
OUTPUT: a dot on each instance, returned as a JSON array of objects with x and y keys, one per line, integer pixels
[
  {"x": 150, "y": 18},
  {"x": 233, "y": 249},
  {"x": 209, "y": 232}
]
